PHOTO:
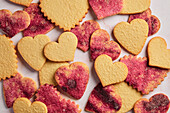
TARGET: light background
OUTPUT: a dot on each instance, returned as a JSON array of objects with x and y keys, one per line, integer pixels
[{"x": 160, "y": 8}]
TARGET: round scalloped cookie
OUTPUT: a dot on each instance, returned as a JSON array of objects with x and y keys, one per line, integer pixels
[
  {"x": 65, "y": 13},
  {"x": 22, "y": 2}
]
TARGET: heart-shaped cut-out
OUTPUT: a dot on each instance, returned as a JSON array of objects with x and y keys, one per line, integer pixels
[
  {"x": 158, "y": 103},
  {"x": 54, "y": 102},
  {"x": 132, "y": 36},
  {"x": 100, "y": 44},
  {"x": 8, "y": 58},
  {"x": 73, "y": 79},
  {"x": 141, "y": 76},
  {"x": 109, "y": 101},
  {"x": 109, "y": 72},
  {"x": 158, "y": 53},
  {"x": 135, "y": 6},
  {"x": 16, "y": 87},
  {"x": 12, "y": 24},
  {"x": 69, "y": 15},
  {"x": 84, "y": 33},
  {"x": 104, "y": 8},
  {"x": 64, "y": 50},
  {"x": 153, "y": 21},
  {"x": 23, "y": 105},
  {"x": 32, "y": 49},
  {"x": 22, "y": 2}
]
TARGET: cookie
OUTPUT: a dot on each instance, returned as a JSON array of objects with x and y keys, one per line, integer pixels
[
  {"x": 46, "y": 74},
  {"x": 22, "y": 2},
  {"x": 141, "y": 76},
  {"x": 65, "y": 14},
  {"x": 31, "y": 49},
  {"x": 132, "y": 36},
  {"x": 54, "y": 102},
  {"x": 153, "y": 21},
  {"x": 100, "y": 44},
  {"x": 158, "y": 53},
  {"x": 158, "y": 103},
  {"x": 109, "y": 72},
  {"x": 18, "y": 86},
  {"x": 39, "y": 24},
  {"x": 73, "y": 78},
  {"x": 12, "y": 24},
  {"x": 84, "y": 32},
  {"x": 23, "y": 105},
  {"x": 135, "y": 6},
  {"x": 105, "y": 8},
  {"x": 64, "y": 50},
  {"x": 8, "y": 58},
  {"x": 128, "y": 95},
  {"x": 103, "y": 100}
]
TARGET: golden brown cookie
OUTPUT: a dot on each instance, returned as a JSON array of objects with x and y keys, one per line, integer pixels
[{"x": 22, "y": 2}]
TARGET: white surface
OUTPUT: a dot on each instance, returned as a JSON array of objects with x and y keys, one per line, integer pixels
[{"x": 159, "y": 8}]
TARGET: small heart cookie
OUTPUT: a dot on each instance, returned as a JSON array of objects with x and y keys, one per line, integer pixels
[
  {"x": 132, "y": 36},
  {"x": 84, "y": 32},
  {"x": 12, "y": 24},
  {"x": 22, "y": 2},
  {"x": 135, "y": 6},
  {"x": 31, "y": 49},
  {"x": 158, "y": 103},
  {"x": 16, "y": 87},
  {"x": 109, "y": 101},
  {"x": 47, "y": 73},
  {"x": 105, "y": 8},
  {"x": 73, "y": 78},
  {"x": 64, "y": 13},
  {"x": 8, "y": 58},
  {"x": 64, "y": 50},
  {"x": 109, "y": 72},
  {"x": 100, "y": 44},
  {"x": 23, "y": 105},
  {"x": 158, "y": 53}
]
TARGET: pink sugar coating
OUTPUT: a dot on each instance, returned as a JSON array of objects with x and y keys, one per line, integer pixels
[
  {"x": 105, "y": 8},
  {"x": 17, "y": 87}
]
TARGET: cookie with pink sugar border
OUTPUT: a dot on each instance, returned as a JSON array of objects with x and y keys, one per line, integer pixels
[
  {"x": 84, "y": 32},
  {"x": 18, "y": 86},
  {"x": 142, "y": 76},
  {"x": 73, "y": 78},
  {"x": 103, "y": 99},
  {"x": 39, "y": 24},
  {"x": 100, "y": 44},
  {"x": 153, "y": 21},
  {"x": 54, "y": 102},
  {"x": 22, "y": 2},
  {"x": 158, "y": 103},
  {"x": 105, "y": 8},
  {"x": 12, "y": 24}
]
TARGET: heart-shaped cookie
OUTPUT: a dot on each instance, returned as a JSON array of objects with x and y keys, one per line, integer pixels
[
  {"x": 132, "y": 36},
  {"x": 84, "y": 32},
  {"x": 153, "y": 21},
  {"x": 54, "y": 101},
  {"x": 135, "y": 6},
  {"x": 16, "y": 87},
  {"x": 158, "y": 103},
  {"x": 141, "y": 76},
  {"x": 64, "y": 50},
  {"x": 109, "y": 72},
  {"x": 8, "y": 58},
  {"x": 64, "y": 13},
  {"x": 23, "y": 105},
  {"x": 12, "y": 24},
  {"x": 158, "y": 53},
  {"x": 109, "y": 101},
  {"x": 22, "y": 2},
  {"x": 32, "y": 49},
  {"x": 105, "y": 8},
  {"x": 100, "y": 44},
  {"x": 47, "y": 73},
  {"x": 73, "y": 79}
]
